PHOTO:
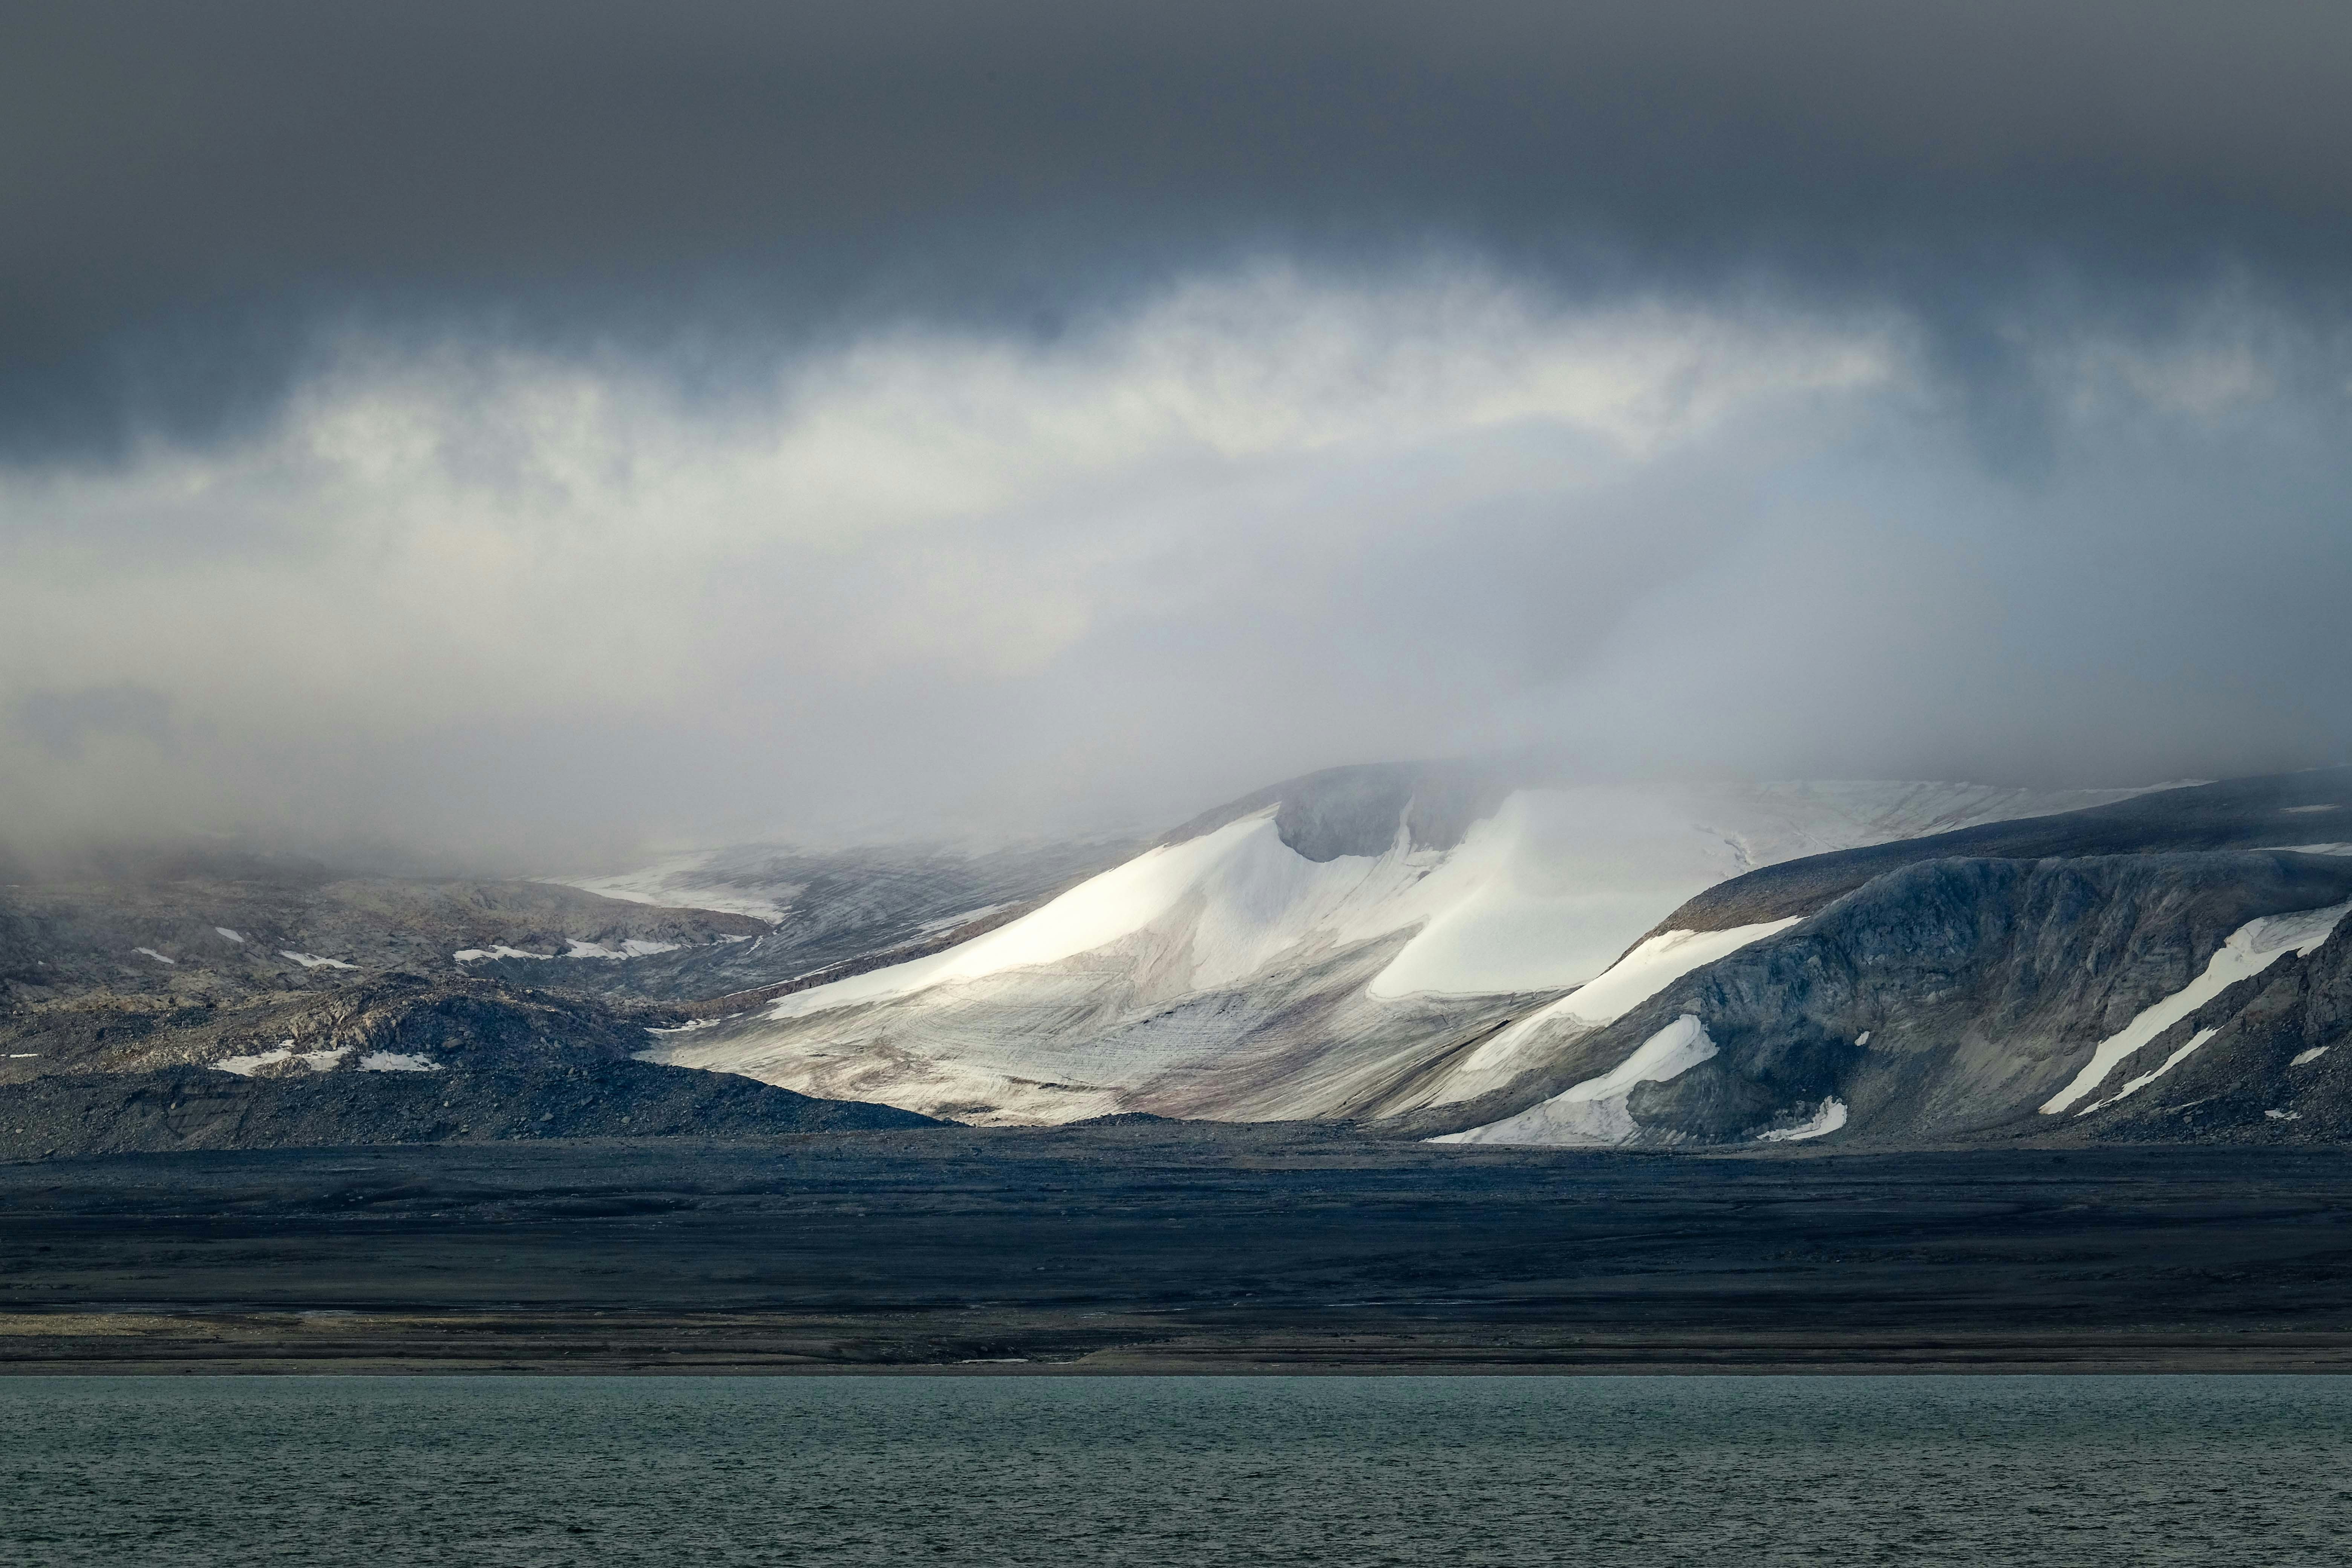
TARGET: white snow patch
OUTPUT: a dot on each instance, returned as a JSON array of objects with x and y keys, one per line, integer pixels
[
  {"x": 397, "y": 1061},
  {"x": 2250, "y": 949},
  {"x": 475, "y": 955},
  {"x": 156, "y": 956},
  {"x": 2305, "y": 810},
  {"x": 22, "y": 1056},
  {"x": 1594, "y": 1113},
  {"x": 1862, "y": 1038},
  {"x": 686, "y": 1028},
  {"x": 230, "y": 934},
  {"x": 634, "y": 947},
  {"x": 2317, "y": 849},
  {"x": 1632, "y": 980},
  {"x": 1827, "y": 1119},
  {"x": 2312, "y": 1055},
  {"x": 2283, "y": 1115},
  {"x": 313, "y": 1061},
  {"x": 312, "y": 961}
]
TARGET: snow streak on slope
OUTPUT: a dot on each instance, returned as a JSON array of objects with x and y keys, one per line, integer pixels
[
  {"x": 2250, "y": 949},
  {"x": 1595, "y": 1113},
  {"x": 1224, "y": 975},
  {"x": 1632, "y": 980}
]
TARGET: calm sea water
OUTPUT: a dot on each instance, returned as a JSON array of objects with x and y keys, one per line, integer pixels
[{"x": 686, "y": 1472}]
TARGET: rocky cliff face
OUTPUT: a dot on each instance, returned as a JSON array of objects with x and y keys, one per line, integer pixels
[{"x": 1972, "y": 998}]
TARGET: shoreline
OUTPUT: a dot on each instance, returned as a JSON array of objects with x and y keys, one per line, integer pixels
[{"x": 411, "y": 1343}]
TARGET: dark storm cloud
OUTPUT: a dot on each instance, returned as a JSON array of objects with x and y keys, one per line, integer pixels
[
  {"x": 188, "y": 190},
  {"x": 512, "y": 427}
]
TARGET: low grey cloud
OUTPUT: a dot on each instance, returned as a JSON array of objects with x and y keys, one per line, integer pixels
[
  {"x": 64, "y": 724},
  {"x": 533, "y": 430}
]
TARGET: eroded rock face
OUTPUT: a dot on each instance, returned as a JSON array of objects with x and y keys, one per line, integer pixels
[{"x": 1954, "y": 998}]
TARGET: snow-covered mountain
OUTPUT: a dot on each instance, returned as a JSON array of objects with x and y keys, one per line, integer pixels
[
  {"x": 838, "y": 908},
  {"x": 1359, "y": 942},
  {"x": 1441, "y": 952},
  {"x": 2176, "y": 967}
]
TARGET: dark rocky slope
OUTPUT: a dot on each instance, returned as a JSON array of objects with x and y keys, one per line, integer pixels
[
  {"x": 204, "y": 929},
  {"x": 836, "y": 912},
  {"x": 276, "y": 1003},
  {"x": 1949, "y": 1000},
  {"x": 193, "y": 1107},
  {"x": 398, "y": 1059}
]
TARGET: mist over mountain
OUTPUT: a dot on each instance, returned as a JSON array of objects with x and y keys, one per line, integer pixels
[{"x": 533, "y": 438}]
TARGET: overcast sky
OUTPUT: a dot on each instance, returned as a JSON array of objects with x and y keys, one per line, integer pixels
[{"x": 533, "y": 431}]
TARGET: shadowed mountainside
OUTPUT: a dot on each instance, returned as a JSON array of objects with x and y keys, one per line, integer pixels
[
  {"x": 1953, "y": 998},
  {"x": 2278, "y": 811}
]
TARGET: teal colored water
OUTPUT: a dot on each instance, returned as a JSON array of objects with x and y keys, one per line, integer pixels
[{"x": 1649, "y": 1471}]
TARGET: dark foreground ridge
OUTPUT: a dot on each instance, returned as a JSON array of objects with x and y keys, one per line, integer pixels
[
  {"x": 180, "y": 1109},
  {"x": 1161, "y": 1247}
]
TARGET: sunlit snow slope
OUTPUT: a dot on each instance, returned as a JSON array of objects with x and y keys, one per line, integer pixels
[{"x": 1351, "y": 943}]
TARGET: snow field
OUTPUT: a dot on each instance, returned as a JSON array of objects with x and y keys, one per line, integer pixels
[
  {"x": 312, "y": 1061},
  {"x": 396, "y": 1061},
  {"x": 634, "y": 947}
]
